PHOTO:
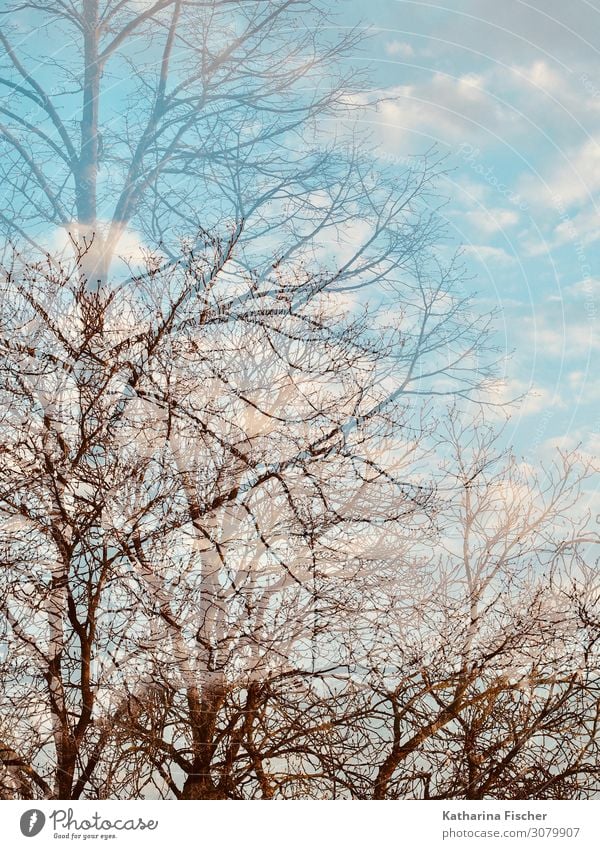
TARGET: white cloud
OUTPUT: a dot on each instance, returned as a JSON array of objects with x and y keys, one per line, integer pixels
[
  {"x": 442, "y": 107},
  {"x": 130, "y": 247},
  {"x": 588, "y": 288},
  {"x": 571, "y": 179},
  {"x": 585, "y": 442},
  {"x": 555, "y": 336},
  {"x": 492, "y": 220},
  {"x": 488, "y": 254},
  {"x": 582, "y": 228},
  {"x": 528, "y": 399},
  {"x": 399, "y": 48}
]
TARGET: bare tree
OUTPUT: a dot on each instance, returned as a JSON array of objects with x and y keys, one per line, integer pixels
[
  {"x": 461, "y": 664},
  {"x": 492, "y": 688},
  {"x": 173, "y": 117},
  {"x": 199, "y": 466},
  {"x": 235, "y": 576}
]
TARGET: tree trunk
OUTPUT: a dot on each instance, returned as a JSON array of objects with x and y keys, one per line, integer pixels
[
  {"x": 88, "y": 233},
  {"x": 204, "y": 712}
]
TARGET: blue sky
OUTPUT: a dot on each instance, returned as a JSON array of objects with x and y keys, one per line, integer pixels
[{"x": 511, "y": 92}]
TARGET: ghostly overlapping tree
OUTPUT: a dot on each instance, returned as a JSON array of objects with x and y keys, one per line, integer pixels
[{"x": 170, "y": 117}]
